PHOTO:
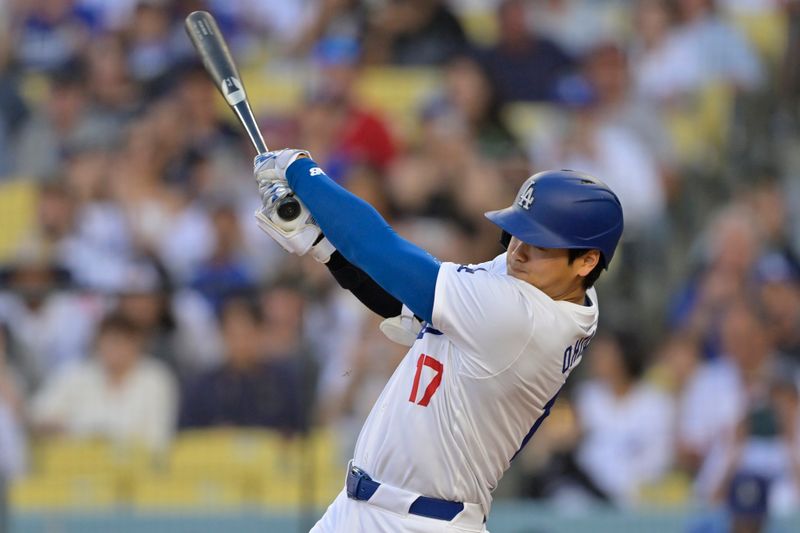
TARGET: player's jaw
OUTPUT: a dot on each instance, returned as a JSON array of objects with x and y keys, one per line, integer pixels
[{"x": 548, "y": 269}]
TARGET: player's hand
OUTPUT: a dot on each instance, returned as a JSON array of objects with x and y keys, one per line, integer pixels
[
  {"x": 402, "y": 329},
  {"x": 271, "y": 167},
  {"x": 299, "y": 235}
]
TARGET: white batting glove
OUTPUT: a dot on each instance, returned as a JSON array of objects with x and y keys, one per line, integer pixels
[
  {"x": 271, "y": 167},
  {"x": 297, "y": 236},
  {"x": 402, "y": 329}
]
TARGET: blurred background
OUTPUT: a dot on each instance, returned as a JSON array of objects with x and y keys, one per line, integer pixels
[{"x": 164, "y": 366}]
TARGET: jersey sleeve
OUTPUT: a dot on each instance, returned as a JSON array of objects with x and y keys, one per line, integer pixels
[{"x": 486, "y": 314}]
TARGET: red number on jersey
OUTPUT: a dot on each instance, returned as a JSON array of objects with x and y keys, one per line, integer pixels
[{"x": 438, "y": 367}]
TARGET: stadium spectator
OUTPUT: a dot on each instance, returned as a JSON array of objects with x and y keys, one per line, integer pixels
[
  {"x": 52, "y": 325},
  {"x": 64, "y": 120},
  {"x": 151, "y": 47},
  {"x": 413, "y": 32},
  {"x": 331, "y": 20},
  {"x": 13, "y": 450},
  {"x": 254, "y": 386},
  {"x": 225, "y": 272},
  {"x": 730, "y": 246},
  {"x": 85, "y": 226},
  {"x": 725, "y": 54},
  {"x": 523, "y": 65},
  {"x": 164, "y": 219},
  {"x": 47, "y": 35},
  {"x": 469, "y": 101},
  {"x": 664, "y": 68},
  {"x": 764, "y": 448},
  {"x": 113, "y": 91},
  {"x": 179, "y": 328},
  {"x": 579, "y": 25},
  {"x": 677, "y": 360},
  {"x": 13, "y": 109},
  {"x": 627, "y": 424},
  {"x": 337, "y": 126},
  {"x": 119, "y": 393},
  {"x": 778, "y": 286},
  {"x": 739, "y": 375}
]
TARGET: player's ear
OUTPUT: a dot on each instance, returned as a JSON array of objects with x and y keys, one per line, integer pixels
[{"x": 587, "y": 262}]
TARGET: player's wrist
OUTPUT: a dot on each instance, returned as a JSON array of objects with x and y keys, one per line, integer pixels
[{"x": 301, "y": 168}]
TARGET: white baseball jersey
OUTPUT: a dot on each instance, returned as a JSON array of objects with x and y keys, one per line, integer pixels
[{"x": 475, "y": 385}]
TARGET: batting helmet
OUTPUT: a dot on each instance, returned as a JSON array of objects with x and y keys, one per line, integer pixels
[{"x": 564, "y": 209}]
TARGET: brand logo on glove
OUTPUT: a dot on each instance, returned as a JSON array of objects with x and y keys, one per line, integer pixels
[
  {"x": 526, "y": 199},
  {"x": 315, "y": 171}
]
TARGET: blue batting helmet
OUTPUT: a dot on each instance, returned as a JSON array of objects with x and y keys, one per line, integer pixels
[{"x": 564, "y": 209}]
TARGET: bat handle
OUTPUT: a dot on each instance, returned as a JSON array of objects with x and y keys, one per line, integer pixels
[
  {"x": 247, "y": 120},
  {"x": 288, "y": 208}
]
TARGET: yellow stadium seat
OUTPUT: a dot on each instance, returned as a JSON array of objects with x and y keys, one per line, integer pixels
[
  {"x": 481, "y": 26},
  {"x": 91, "y": 491},
  {"x": 530, "y": 121},
  {"x": 274, "y": 92},
  {"x": 312, "y": 472},
  {"x": 397, "y": 93},
  {"x": 766, "y": 31},
  {"x": 174, "y": 492},
  {"x": 214, "y": 452},
  {"x": 674, "y": 489},
  {"x": 699, "y": 128},
  {"x": 17, "y": 213},
  {"x": 74, "y": 456},
  {"x": 34, "y": 88}
]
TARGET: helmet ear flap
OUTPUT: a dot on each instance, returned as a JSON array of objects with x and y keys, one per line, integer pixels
[{"x": 505, "y": 239}]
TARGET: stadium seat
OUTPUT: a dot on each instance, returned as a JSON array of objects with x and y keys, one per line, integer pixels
[
  {"x": 65, "y": 457},
  {"x": 766, "y": 31},
  {"x": 312, "y": 472},
  {"x": 481, "y": 26},
  {"x": 175, "y": 492},
  {"x": 532, "y": 121},
  {"x": 674, "y": 489},
  {"x": 53, "y": 492},
  {"x": 224, "y": 452},
  {"x": 700, "y": 127},
  {"x": 17, "y": 212},
  {"x": 398, "y": 93},
  {"x": 272, "y": 92}
]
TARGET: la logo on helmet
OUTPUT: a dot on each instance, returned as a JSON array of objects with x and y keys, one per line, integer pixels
[{"x": 526, "y": 199}]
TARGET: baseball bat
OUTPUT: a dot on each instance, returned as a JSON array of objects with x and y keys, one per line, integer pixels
[{"x": 218, "y": 62}]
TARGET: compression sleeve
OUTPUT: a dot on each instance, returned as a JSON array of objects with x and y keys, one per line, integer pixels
[
  {"x": 355, "y": 228},
  {"x": 363, "y": 287}
]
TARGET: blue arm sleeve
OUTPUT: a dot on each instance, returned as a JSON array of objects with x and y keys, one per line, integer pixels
[{"x": 403, "y": 269}]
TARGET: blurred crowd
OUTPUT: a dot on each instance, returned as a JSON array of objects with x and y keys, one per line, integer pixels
[{"x": 141, "y": 299}]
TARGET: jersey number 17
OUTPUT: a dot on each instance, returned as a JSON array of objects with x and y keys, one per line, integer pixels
[{"x": 438, "y": 367}]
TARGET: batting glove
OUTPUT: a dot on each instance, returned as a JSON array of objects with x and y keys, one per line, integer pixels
[
  {"x": 300, "y": 235},
  {"x": 271, "y": 167}
]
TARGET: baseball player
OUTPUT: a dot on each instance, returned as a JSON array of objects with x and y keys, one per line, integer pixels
[{"x": 496, "y": 343}]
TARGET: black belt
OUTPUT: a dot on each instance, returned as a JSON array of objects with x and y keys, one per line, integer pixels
[{"x": 361, "y": 487}]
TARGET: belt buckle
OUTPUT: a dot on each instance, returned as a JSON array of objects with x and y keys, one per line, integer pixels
[{"x": 353, "y": 483}]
